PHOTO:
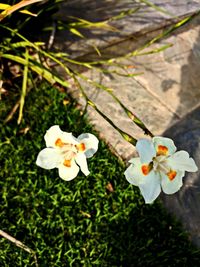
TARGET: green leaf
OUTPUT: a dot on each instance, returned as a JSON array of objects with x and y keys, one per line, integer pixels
[
  {"x": 76, "y": 32},
  {"x": 39, "y": 69},
  {"x": 24, "y": 86},
  {"x": 4, "y": 6}
]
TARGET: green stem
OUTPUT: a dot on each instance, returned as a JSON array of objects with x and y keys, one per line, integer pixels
[
  {"x": 24, "y": 86},
  {"x": 125, "y": 135}
]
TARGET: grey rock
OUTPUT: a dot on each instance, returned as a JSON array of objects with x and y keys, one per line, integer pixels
[
  {"x": 132, "y": 30},
  {"x": 173, "y": 75},
  {"x": 185, "y": 204}
]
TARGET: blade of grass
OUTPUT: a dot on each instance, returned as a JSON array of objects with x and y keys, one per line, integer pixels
[
  {"x": 157, "y": 8},
  {"x": 16, "y": 106},
  {"x": 9, "y": 10},
  {"x": 130, "y": 75},
  {"x": 12, "y": 112},
  {"x": 124, "y": 13},
  {"x": 82, "y": 23},
  {"x": 46, "y": 54},
  {"x": 39, "y": 69},
  {"x": 164, "y": 34},
  {"x": 20, "y": 245},
  {"x": 6, "y": 6},
  {"x": 76, "y": 32},
  {"x": 125, "y": 135},
  {"x": 129, "y": 113},
  {"x": 156, "y": 50},
  {"x": 24, "y": 87}
]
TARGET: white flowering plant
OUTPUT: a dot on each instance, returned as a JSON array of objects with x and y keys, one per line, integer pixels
[
  {"x": 66, "y": 152},
  {"x": 158, "y": 167}
]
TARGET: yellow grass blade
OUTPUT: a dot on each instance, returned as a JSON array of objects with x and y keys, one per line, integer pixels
[
  {"x": 24, "y": 87},
  {"x": 9, "y": 10}
]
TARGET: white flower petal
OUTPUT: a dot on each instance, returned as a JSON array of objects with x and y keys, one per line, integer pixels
[
  {"x": 49, "y": 158},
  {"x": 149, "y": 184},
  {"x": 134, "y": 173},
  {"x": 82, "y": 162},
  {"x": 68, "y": 173},
  {"x": 172, "y": 186},
  {"x": 145, "y": 150},
  {"x": 91, "y": 143},
  {"x": 55, "y": 133},
  {"x": 52, "y": 134},
  {"x": 182, "y": 161},
  {"x": 164, "y": 141},
  {"x": 151, "y": 189},
  {"x": 69, "y": 138}
]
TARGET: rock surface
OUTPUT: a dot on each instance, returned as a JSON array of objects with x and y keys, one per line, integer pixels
[
  {"x": 186, "y": 203},
  {"x": 162, "y": 95},
  {"x": 132, "y": 30}
]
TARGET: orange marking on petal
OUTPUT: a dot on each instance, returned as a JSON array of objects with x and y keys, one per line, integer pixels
[
  {"x": 67, "y": 163},
  {"x": 162, "y": 150},
  {"x": 130, "y": 67},
  {"x": 146, "y": 169},
  {"x": 171, "y": 175},
  {"x": 59, "y": 143},
  {"x": 81, "y": 147}
]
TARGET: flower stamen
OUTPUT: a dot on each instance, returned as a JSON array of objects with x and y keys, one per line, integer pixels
[
  {"x": 146, "y": 169},
  {"x": 171, "y": 175},
  {"x": 59, "y": 143},
  {"x": 67, "y": 163},
  {"x": 81, "y": 147},
  {"x": 162, "y": 151}
]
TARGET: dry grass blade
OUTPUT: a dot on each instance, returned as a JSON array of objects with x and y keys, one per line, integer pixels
[
  {"x": 24, "y": 87},
  {"x": 11, "y": 9},
  {"x": 158, "y": 8},
  {"x": 12, "y": 112},
  {"x": 20, "y": 245}
]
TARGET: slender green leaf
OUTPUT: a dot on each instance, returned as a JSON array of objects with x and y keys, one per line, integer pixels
[
  {"x": 125, "y": 135},
  {"x": 76, "y": 32},
  {"x": 9, "y": 10},
  {"x": 39, "y": 69},
  {"x": 156, "y": 50},
  {"x": 129, "y": 113},
  {"x": 157, "y": 8},
  {"x": 24, "y": 87}
]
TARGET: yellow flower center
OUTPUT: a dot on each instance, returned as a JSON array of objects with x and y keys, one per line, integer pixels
[
  {"x": 67, "y": 163},
  {"x": 69, "y": 151},
  {"x": 146, "y": 169},
  {"x": 162, "y": 150},
  {"x": 80, "y": 147},
  {"x": 171, "y": 175},
  {"x": 159, "y": 164},
  {"x": 59, "y": 143}
]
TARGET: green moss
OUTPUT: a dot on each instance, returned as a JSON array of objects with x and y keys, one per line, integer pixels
[{"x": 77, "y": 223}]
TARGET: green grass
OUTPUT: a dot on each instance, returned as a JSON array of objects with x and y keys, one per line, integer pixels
[{"x": 77, "y": 223}]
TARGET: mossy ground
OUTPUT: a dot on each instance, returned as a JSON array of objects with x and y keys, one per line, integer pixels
[{"x": 77, "y": 223}]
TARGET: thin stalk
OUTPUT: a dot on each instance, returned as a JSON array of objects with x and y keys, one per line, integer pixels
[
  {"x": 125, "y": 135},
  {"x": 129, "y": 113},
  {"x": 156, "y": 7},
  {"x": 164, "y": 34},
  {"x": 24, "y": 87},
  {"x": 15, "y": 7},
  {"x": 38, "y": 68},
  {"x": 20, "y": 245}
]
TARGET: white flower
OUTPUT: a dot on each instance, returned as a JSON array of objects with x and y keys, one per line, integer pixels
[
  {"x": 66, "y": 152},
  {"x": 158, "y": 166}
]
